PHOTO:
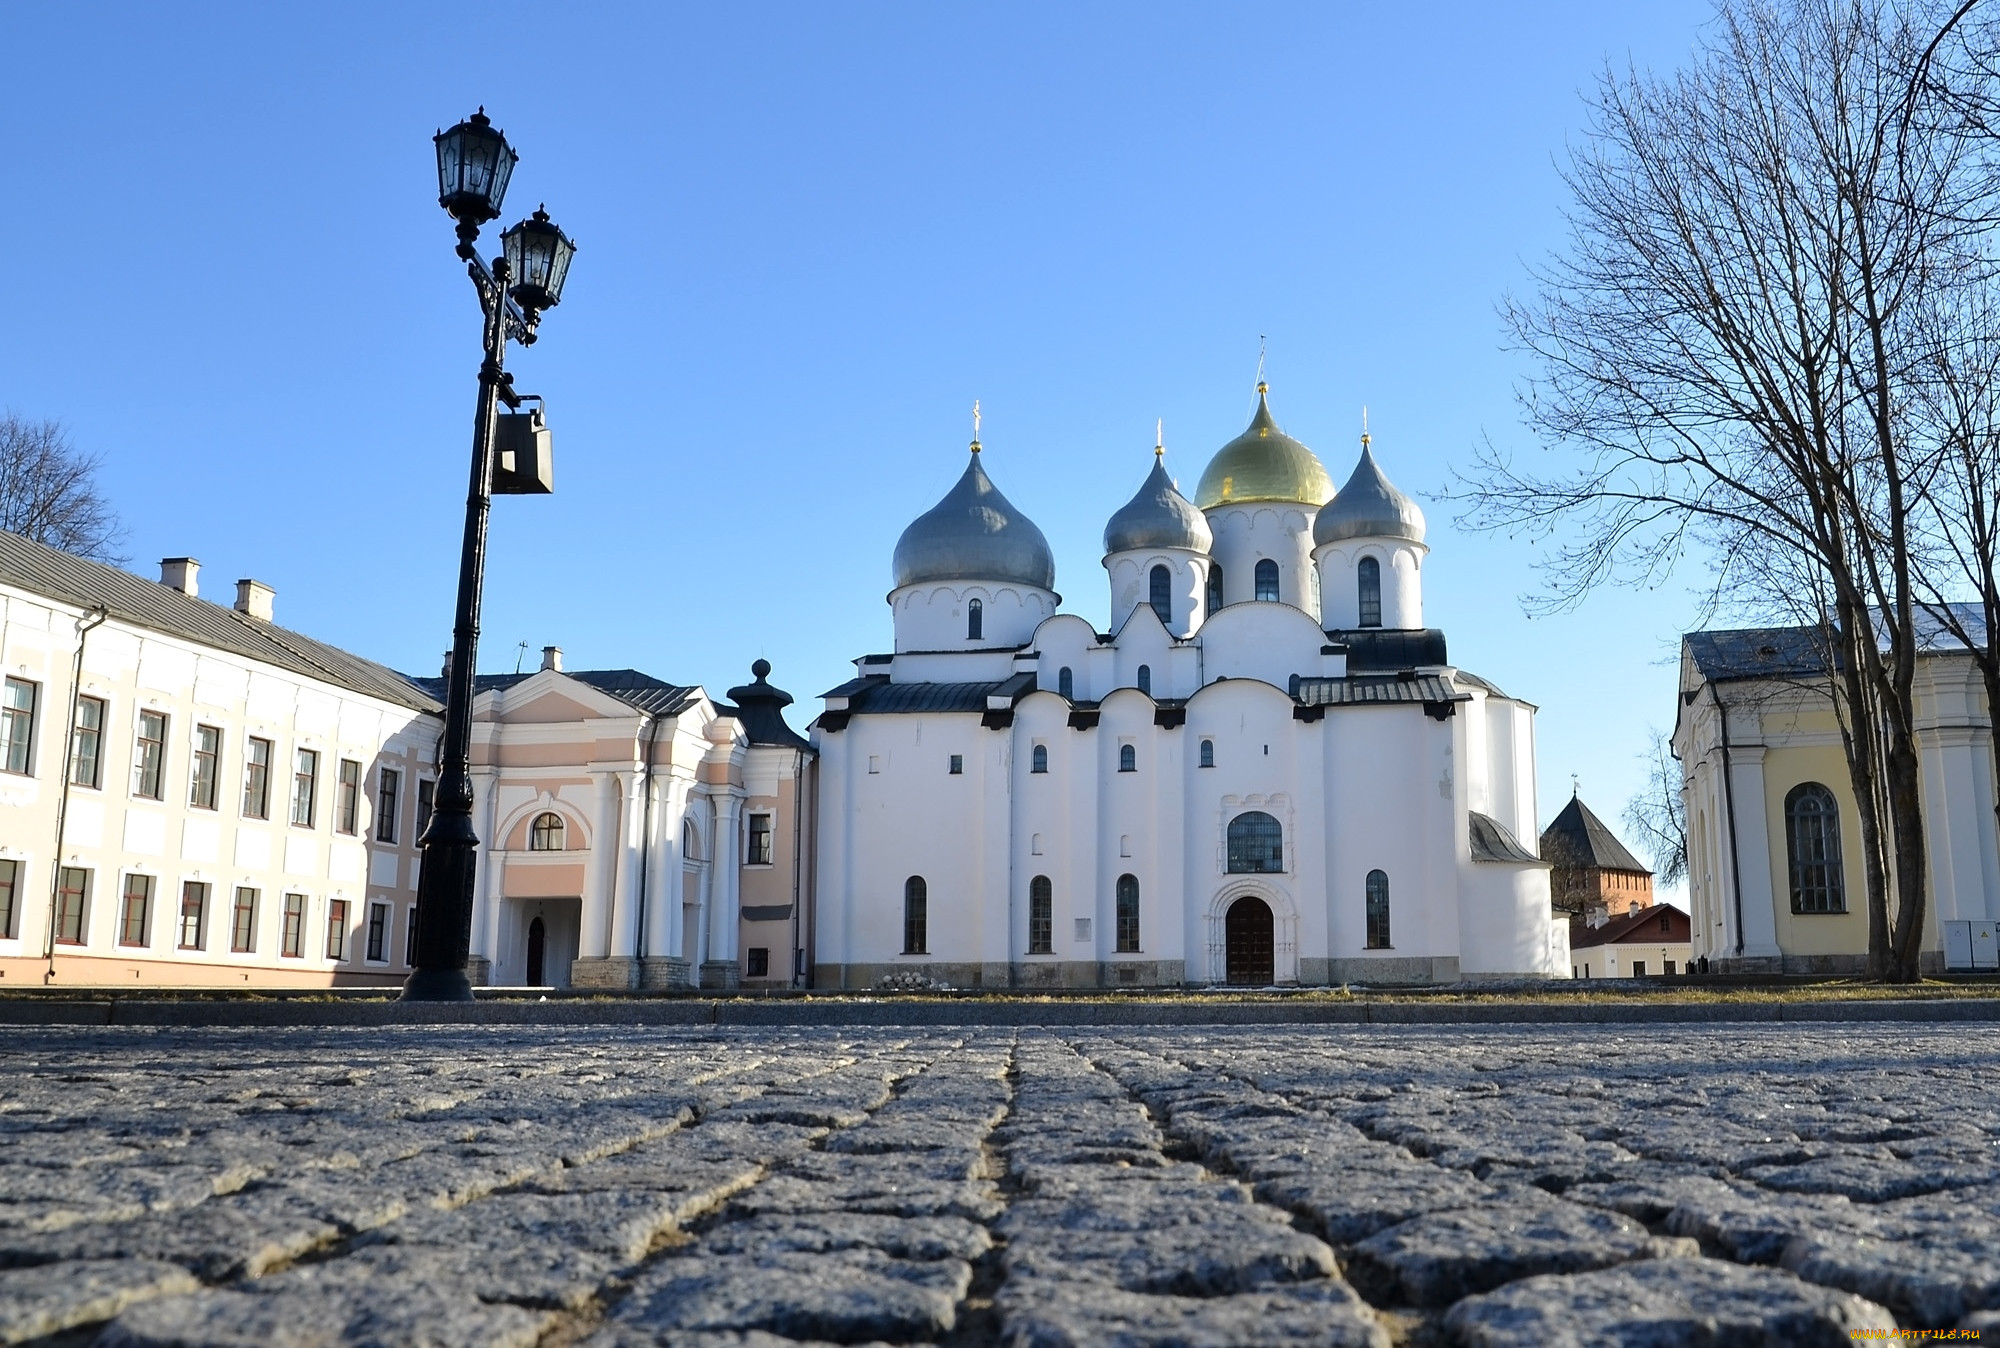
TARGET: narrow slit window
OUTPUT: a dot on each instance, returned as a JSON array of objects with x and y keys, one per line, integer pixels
[
  {"x": 1066, "y": 683},
  {"x": 1039, "y": 759},
  {"x": 1160, "y": 586},
  {"x": 1378, "y": 910},
  {"x": 1368, "y": 576},
  {"x": 1267, "y": 581},
  {"x": 916, "y": 916},
  {"x": 1214, "y": 597},
  {"x": 1128, "y": 758},
  {"x": 1146, "y": 680},
  {"x": 975, "y": 620},
  {"x": 1208, "y": 753},
  {"x": 1041, "y": 916},
  {"x": 1128, "y": 914}
]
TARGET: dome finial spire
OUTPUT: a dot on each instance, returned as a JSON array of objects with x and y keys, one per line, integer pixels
[
  {"x": 1160, "y": 438},
  {"x": 1262, "y": 344},
  {"x": 1364, "y": 425},
  {"x": 975, "y": 425}
]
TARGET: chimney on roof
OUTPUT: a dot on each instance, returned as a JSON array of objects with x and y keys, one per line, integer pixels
[
  {"x": 178, "y": 573},
  {"x": 552, "y": 658},
  {"x": 253, "y": 599}
]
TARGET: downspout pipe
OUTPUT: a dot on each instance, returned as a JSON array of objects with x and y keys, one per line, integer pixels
[
  {"x": 645, "y": 839},
  {"x": 1729, "y": 809},
  {"x": 90, "y": 619},
  {"x": 798, "y": 852}
]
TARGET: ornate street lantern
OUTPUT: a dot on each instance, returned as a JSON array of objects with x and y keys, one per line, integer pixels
[
  {"x": 538, "y": 257},
  {"x": 474, "y": 164}
]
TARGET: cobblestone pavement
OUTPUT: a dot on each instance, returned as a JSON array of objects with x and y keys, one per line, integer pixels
[{"x": 611, "y": 1188}]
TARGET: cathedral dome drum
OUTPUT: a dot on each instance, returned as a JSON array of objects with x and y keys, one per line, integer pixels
[
  {"x": 1263, "y": 464},
  {"x": 1158, "y": 517},
  {"x": 1369, "y": 506},
  {"x": 974, "y": 533}
]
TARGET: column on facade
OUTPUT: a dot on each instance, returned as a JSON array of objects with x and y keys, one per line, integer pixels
[
  {"x": 724, "y": 871},
  {"x": 486, "y": 901},
  {"x": 600, "y": 883},
  {"x": 1753, "y": 843},
  {"x": 704, "y": 897},
  {"x": 1958, "y": 821},
  {"x": 624, "y": 940},
  {"x": 663, "y": 893}
]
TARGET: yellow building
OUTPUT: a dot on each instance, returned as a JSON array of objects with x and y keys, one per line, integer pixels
[{"x": 1775, "y": 871}]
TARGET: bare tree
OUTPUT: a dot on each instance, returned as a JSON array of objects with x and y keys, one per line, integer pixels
[
  {"x": 1726, "y": 352},
  {"x": 48, "y": 491},
  {"x": 1656, "y": 818}
]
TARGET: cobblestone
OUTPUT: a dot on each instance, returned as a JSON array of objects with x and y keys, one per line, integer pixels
[{"x": 747, "y": 1187}]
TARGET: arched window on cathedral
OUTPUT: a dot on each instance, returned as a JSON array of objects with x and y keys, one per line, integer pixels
[
  {"x": 1041, "y": 916},
  {"x": 1812, "y": 839},
  {"x": 546, "y": 833},
  {"x": 1128, "y": 914},
  {"x": 1256, "y": 844},
  {"x": 1146, "y": 680},
  {"x": 1065, "y": 684},
  {"x": 1368, "y": 575},
  {"x": 1214, "y": 589},
  {"x": 1038, "y": 761},
  {"x": 916, "y": 917},
  {"x": 1267, "y": 581},
  {"x": 1128, "y": 758},
  {"x": 1162, "y": 599},
  {"x": 690, "y": 842},
  {"x": 975, "y": 620},
  {"x": 1378, "y": 910},
  {"x": 1208, "y": 753}
]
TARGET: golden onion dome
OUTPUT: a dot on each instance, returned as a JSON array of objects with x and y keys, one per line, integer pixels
[{"x": 1263, "y": 464}]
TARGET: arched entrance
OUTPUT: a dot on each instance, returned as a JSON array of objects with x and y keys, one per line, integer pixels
[
  {"x": 1250, "y": 948},
  {"x": 538, "y": 944}
]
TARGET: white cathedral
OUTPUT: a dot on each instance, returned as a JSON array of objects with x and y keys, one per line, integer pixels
[{"x": 1268, "y": 772}]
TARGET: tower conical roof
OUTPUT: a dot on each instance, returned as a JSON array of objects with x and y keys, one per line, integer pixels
[
  {"x": 1369, "y": 506},
  {"x": 1263, "y": 464},
  {"x": 1158, "y": 517},
  {"x": 974, "y": 533}
]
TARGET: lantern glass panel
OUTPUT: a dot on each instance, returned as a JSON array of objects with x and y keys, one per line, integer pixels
[
  {"x": 538, "y": 256},
  {"x": 474, "y": 165}
]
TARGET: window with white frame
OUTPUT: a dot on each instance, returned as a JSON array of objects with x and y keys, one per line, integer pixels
[
  {"x": 135, "y": 910},
  {"x": 17, "y": 726},
  {"x": 194, "y": 914},
  {"x": 10, "y": 896},
  {"x": 378, "y": 933},
  {"x": 336, "y": 929},
  {"x": 243, "y": 920},
  {"x": 202, "y": 767},
  {"x": 149, "y": 755},
  {"x": 256, "y": 778},
  {"x": 86, "y": 749},
  {"x": 293, "y": 943},
  {"x": 347, "y": 810},
  {"x": 305, "y": 786},
  {"x": 72, "y": 900},
  {"x": 388, "y": 783},
  {"x": 758, "y": 850}
]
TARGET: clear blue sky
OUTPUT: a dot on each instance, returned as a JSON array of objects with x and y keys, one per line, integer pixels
[{"x": 810, "y": 236}]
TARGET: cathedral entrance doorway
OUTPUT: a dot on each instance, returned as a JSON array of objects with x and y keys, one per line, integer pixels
[
  {"x": 1250, "y": 948},
  {"x": 538, "y": 949}
]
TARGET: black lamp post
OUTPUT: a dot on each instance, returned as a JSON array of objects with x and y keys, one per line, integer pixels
[{"x": 474, "y": 165}]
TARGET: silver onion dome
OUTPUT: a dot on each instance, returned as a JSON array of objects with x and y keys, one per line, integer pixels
[
  {"x": 974, "y": 533},
  {"x": 1369, "y": 506},
  {"x": 1158, "y": 517}
]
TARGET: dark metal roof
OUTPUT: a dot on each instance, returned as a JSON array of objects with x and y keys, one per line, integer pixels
[
  {"x": 1798, "y": 652},
  {"x": 1375, "y": 690},
  {"x": 1369, "y": 506},
  {"x": 1389, "y": 648},
  {"x": 1158, "y": 517},
  {"x": 143, "y": 603},
  {"x": 974, "y": 533},
  {"x": 761, "y": 709},
  {"x": 1576, "y": 837},
  {"x": 876, "y": 696},
  {"x": 641, "y": 691},
  {"x": 1491, "y": 841}
]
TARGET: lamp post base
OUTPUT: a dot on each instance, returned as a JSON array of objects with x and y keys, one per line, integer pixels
[{"x": 437, "y": 985}]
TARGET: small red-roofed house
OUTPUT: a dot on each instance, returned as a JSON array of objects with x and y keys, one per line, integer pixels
[{"x": 1640, "y": 943}]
